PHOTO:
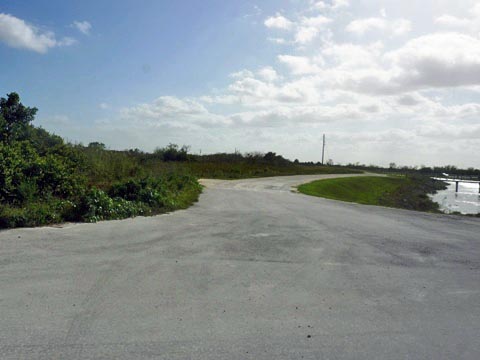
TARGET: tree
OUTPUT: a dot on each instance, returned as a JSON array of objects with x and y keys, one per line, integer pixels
[
  {"x": 97, "y": 145},
  {"x": 15, "y": 118},
  {"x": 173, "y": 153},
  {"x": 270, "y": 157}
]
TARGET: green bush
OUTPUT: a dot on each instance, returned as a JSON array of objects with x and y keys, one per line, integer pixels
[
  {"x": 26, "y": 176},
  {"x": 96, "y": 205},
  {"x": 35, "y": 213}
]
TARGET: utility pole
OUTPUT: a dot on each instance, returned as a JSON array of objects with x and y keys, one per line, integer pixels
[{"x": 323, "y": 151}]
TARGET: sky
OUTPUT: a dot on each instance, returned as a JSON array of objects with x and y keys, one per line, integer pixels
[{"x": 385, "y": 80}]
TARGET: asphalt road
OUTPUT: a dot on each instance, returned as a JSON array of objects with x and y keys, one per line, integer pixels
[{"x": 253, "y": 271}]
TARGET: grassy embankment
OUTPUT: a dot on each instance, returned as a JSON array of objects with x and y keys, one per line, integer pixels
[{"x": 399, "y": 192}]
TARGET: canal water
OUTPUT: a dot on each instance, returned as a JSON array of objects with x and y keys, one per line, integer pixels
[{"x": 466, "y": 201}]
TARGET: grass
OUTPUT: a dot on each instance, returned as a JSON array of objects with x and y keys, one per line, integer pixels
[
  {"x": 367, "y": 190},
  {"x": 399, "y": 192},
  {"x": 226, "y": 171}
]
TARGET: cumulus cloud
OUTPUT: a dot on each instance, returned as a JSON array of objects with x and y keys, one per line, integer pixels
[
  {"x": 438, "y": 60},
  {"x": 336, "y": 4},
  {"x": 453, "y": 21},
  {"x": 305, "y": 29},
  {"x": 395, "y": 27},
  {"x": 469, "y": 23},
  {"x": 251, "y": 91},
  {"x": 268, "y": 73},
  {"x": 277, "y": 40},
  {"x": 394, "y": 90},
  {"x": 306, "y": 34},
  {"x": 301, "y": 65},
  {"x": 83, "y": 26},
  {"x": 434, "y": 61},
  {"x": 308, "y": 28},
  {"x": 169, "y": 106},
  {"x": 329, "y": 5},
  {"x": 19, "y": 34},
  {"x": 278, "y": 22},
  {"x": 173, "y": 112}
]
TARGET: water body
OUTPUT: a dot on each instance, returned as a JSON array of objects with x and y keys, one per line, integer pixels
[{"x": 466, "y": 201}]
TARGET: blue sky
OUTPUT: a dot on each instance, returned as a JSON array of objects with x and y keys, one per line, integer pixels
[
  {"x": 133, "y": 52},
  {"x": 385, "y": 80}
]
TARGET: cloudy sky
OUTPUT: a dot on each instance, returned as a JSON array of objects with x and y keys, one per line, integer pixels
[{"x": 386, "y": 81}]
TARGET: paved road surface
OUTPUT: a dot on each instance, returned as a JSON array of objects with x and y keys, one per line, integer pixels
[{"x": 253, "y": 271}]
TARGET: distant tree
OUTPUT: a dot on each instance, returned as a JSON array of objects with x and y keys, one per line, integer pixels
[
  {"x": 392, "y": 165},
  {"x": 97, "y": 145},
  {"x": 254, "y": 157},
  {"x": 15, "y": 118},
  {"x": 330, "y": 162},
  {"x": 450, "y": 168},
  {"x": 173, "y": 153},
  {"x": 296, "y": 162}
]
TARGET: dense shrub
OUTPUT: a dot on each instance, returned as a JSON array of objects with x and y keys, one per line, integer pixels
[
  {"x": 45, "y": 181},
  {"x": 35, "y": 213},
  {"x": 96, "y": 205},
  {"x": 25, "y": 175}
]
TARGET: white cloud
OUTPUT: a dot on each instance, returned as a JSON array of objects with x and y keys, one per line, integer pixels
[
  {"x": 305, "y": 29},
  {"x": 308, "y": 28},
  {"x": 83, "y": 26},
  {"x": 170, "y": 111},
  {"x": 17, "y": 33},
  {"x": 319, "y": 5},
  {"x": 434, "y": 61},
  {"x": 438, "y": 60},
  {"x": 328, "y": 5},
  {"x": 403, "y": 99},
  {"x": 306, "y": 34},
  {"x": 277, "y": 40},
  {"x": 66, "y": 41},
  {"x": 396, "y": 27},
  {"x": 300, "y": 65},
  {"x": 453, "y": 21},
  {"x": 170, "y": 106},
  {"x": 278, "y": 22},
  {"x": 241, "y": 74},
  {"x": 401, "y": 27},
  {"x": 470, "y": 23},
  {"x": 268, "y": 73},
  {"x": 354, "y": 57},
  {"x": 336, "y": 4},
  {"x": 316, "y": 21},
  {"x": 361, "y": 26}
]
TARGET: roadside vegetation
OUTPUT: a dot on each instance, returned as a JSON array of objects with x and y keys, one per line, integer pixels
[
  {"x": 44, "y": 180},
  {"x": 405, "y": 192},
  {"x": 430, "y": 171}
]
